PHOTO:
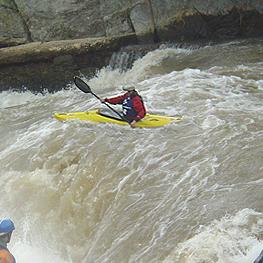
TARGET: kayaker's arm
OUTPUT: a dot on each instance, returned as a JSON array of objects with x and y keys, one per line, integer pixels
[
  {"x": 139, "y": 107},
  {"x": 115, "y": 100}
]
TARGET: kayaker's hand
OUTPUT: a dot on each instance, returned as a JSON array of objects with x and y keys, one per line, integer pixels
[
  {"x": 132, "y": 124},
  {"x": 102, "y": 100}
]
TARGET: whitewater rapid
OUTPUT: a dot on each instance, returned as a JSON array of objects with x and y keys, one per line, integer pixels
[{"x": 189, "y": 192}]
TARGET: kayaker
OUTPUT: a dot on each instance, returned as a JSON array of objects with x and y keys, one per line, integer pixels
[
  {"x": 6, "y": 229},
  {"x": 133, "y": 107}
]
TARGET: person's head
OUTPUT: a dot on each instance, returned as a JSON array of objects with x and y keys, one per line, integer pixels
[
  {"x": 6, "y": 229},
  {"x": 130, "y": 89}
]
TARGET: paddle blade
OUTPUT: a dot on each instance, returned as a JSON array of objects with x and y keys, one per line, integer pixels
[{"x": 83, "y": 86}]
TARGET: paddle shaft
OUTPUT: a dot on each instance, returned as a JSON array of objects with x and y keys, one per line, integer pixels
[
  {"x": 108, "y": 106},
  {"x": 83, "y": 86}
]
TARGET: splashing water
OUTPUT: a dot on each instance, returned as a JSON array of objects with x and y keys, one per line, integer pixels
[{"x": 188, "y": 192}]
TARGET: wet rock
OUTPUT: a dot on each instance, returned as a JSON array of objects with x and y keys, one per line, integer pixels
[{"x": 52, "y": 65}]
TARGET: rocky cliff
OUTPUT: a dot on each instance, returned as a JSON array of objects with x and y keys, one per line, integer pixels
[
  {"x": 27, "y": 21},
  {"x": 44, "y": 20}
]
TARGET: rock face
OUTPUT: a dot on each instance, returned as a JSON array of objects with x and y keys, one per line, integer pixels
[
  {"x": 27, "y": 21},
  {"x": 45, "y": 20}
]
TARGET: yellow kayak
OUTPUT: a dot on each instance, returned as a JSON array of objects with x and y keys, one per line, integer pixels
[{"x": 107, "y": 116}]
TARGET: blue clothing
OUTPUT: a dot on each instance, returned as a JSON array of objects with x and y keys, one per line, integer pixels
[{"x": 127, "y": 108}]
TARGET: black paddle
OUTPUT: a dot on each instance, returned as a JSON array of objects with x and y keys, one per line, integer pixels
[{"x": 83, "y": 86}]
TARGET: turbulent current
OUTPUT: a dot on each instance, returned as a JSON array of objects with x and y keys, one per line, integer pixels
[{"x": 189, "y": 192}]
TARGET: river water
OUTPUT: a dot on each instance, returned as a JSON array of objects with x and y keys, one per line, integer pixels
[{"x": 189, "y": 192}]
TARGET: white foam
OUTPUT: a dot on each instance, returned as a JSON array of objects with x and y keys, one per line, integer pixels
[
  {"x": 211, "y": 122},
  {"x": 12, "y": 99},
  {"x": 25, "y": 252},
  {"x": 232, "y": 239}
]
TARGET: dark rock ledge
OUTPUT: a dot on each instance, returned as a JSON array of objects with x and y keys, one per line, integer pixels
[{"x": 52, "y": 65}]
